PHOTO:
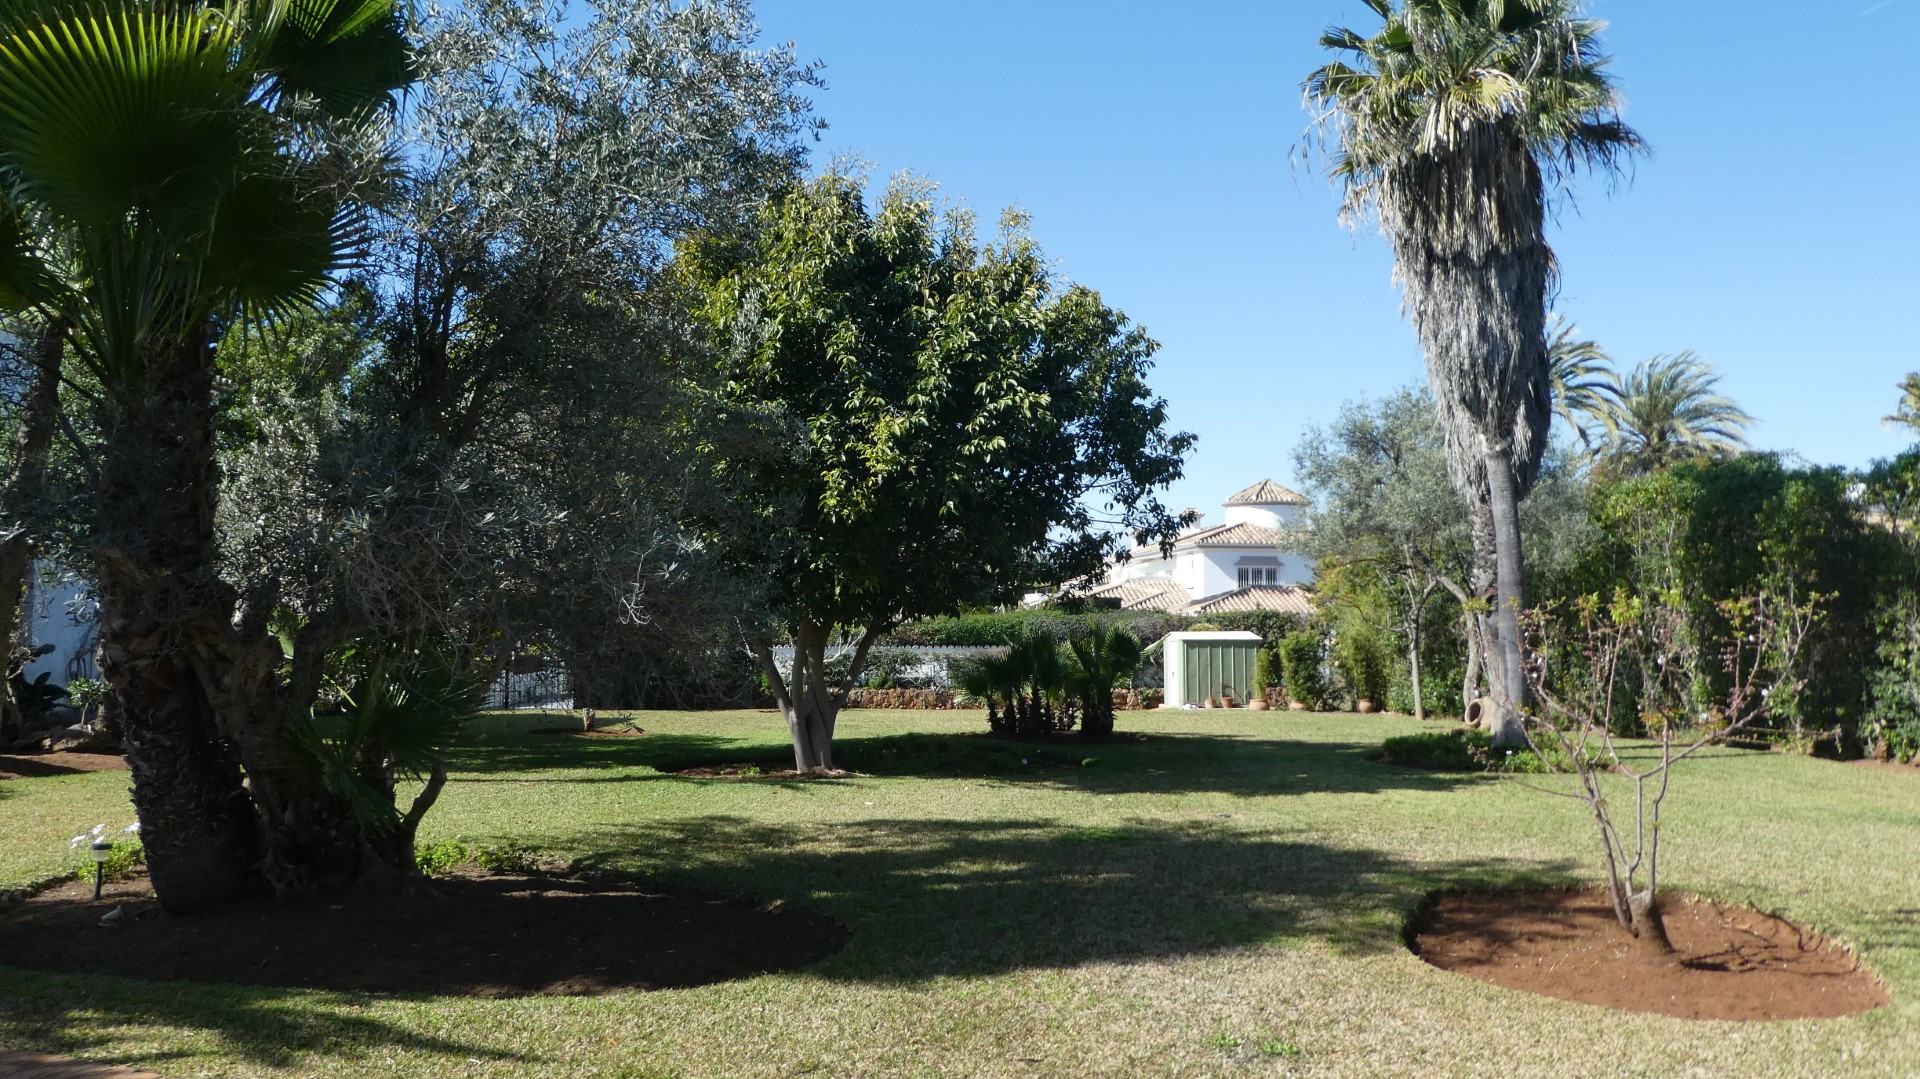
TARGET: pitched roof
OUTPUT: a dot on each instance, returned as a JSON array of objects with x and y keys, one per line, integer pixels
[
  {"x": 1261, "y": 597},
  {"x": 1267, "y": 493},
  {"x": 1141, "y": 594},
  {"x": 1240, "y": 535}
]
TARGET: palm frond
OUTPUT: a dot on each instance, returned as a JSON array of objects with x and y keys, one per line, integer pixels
[
  {"x": 1668, "y": 410},
  {"x": 111, "y": 111}
]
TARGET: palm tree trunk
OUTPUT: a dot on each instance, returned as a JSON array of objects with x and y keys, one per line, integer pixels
[
  {"x": 1509, "y": 676},
  {"x": 154, "y": 566},
  {"x": 39, "y": 412}
]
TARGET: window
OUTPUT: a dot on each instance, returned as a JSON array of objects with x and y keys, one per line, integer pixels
[{"x": 1253, "y": 575}]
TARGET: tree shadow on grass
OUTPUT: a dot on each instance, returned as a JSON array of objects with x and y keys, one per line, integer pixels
[
  {"x": 1162, "y": 764},
  {"x": 268, "y": 1027},
  {"x": 935, "y": 898},
  {"x": 530, "y": 753}
]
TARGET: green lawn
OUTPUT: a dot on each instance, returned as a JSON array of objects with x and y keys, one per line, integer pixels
[{"x": 1222, "y": 899}]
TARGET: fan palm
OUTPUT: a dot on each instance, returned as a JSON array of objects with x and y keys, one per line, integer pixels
[
  {"x": 1907, "y": 413},
  {"x": 167, "y": 169},
  {"x": 1096, "y": 664},
  {"x": 1583, "y": 383},
  {"x": 1667, "y": 410},
  {"x": 1454, "y": 124}
]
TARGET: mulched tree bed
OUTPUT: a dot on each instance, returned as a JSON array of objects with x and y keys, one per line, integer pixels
[
  {"x": 477, "y": 934},
  {"x": 1735, "y": 963},
  {"x": 61, "y": 763}
]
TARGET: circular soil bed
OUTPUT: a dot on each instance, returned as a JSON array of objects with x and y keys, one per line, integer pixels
[
  {"x": 62, "y": 763},
  {"x": 477, "y": 935},
  {"x": 1734, "y": 963}
]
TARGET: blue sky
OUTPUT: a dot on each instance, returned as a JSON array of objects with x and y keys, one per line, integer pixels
[{"x": 1774, "y": 229}]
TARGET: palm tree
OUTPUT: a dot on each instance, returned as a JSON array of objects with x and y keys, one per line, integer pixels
[
  {"x": 1097, "y": 663},
  {"x": 168, "y": 170},
  {"x": 1454, "y": 124},
  {"x": 1666, "y": 410},
  {"x": 1907, "y": 413},
  {"x": 1582, "y": 380}
]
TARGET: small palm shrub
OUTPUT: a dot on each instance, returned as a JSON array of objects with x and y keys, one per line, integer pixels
[
  {"x": 1096, "y": 663},
  {"x": 1026, "y": 689}
]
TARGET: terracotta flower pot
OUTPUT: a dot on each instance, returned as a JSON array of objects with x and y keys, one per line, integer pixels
[
  {"x": 1229, "y": 702},
  {"x": 1258, "y": 704},
  {"x": 1296, "y": 706},
  {"x": 1363, "y": 706}
]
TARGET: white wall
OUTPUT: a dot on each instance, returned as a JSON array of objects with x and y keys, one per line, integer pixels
[
  {"x": 1264, "y": 516},
  {"x": 57, "y": 614}
]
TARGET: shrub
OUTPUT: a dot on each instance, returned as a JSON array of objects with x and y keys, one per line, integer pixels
[
  {"x": 1262, "y": 670},
  {"x": 1461, "y": 750},
  {"x": 125, "y": 856},
  {"x": 1360, "y": 657},
  {"x": 1300, "y": 662}
]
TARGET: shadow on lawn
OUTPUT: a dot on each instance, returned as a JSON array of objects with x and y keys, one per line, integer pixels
[
  {"x": 932, "y": 898},
  {"x": 268, "y": 1027},
  {"x": 1162, "y": 764}
]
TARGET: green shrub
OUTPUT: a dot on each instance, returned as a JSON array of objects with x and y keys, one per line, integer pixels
[
  {"x": 1262, "y": 670},
  {"x": 434, "y": 859},
  {"x": 1360, "y": 657},
  {"x": 123, "y": 858},
  {"x": 1300, "y": 663},
  {"x": 1463, "y": 749}
]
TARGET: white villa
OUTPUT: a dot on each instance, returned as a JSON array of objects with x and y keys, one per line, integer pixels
[{"x": 1242, "y": 564}]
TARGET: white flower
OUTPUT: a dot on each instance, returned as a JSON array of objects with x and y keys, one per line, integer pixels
[{"x": 132, "y": 829}]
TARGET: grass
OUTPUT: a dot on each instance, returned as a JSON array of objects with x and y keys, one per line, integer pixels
[{"x": 1222, "y": 899}]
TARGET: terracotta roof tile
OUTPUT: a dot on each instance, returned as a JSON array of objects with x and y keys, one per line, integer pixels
[
  {"x": 1289, "y": 598},
  {"x": 1141, "y": 594},
  {"x": 1267, "y": 493}
]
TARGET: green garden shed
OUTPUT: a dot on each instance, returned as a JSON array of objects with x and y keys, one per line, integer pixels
[{"x": 1203, "y": 665}]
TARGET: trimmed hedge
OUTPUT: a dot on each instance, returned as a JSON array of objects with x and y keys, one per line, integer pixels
[{"x": 990, "y": 628}]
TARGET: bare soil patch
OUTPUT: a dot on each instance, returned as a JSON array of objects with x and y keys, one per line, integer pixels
[
  {"x": 478, "y": 935},
  {"x": 61, "y": 763},
  {"x": 597, "y": 732},
  {"x": 46, "y": 1066},
  {"x": 1735, "y": 963}
]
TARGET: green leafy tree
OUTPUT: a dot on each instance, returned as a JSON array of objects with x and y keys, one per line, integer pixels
[
  {"x": 1454, "y": 123},
  {"x": 956, "y": 417},
  {"x": 1892, "y": 727},
  {"x": 1667, "y": 410},
  {"x": 1383, "y": 505},
  {"x": 169, "y": 169}
]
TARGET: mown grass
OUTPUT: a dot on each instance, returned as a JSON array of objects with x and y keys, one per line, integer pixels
[{"x": 1222, "y": 899}]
